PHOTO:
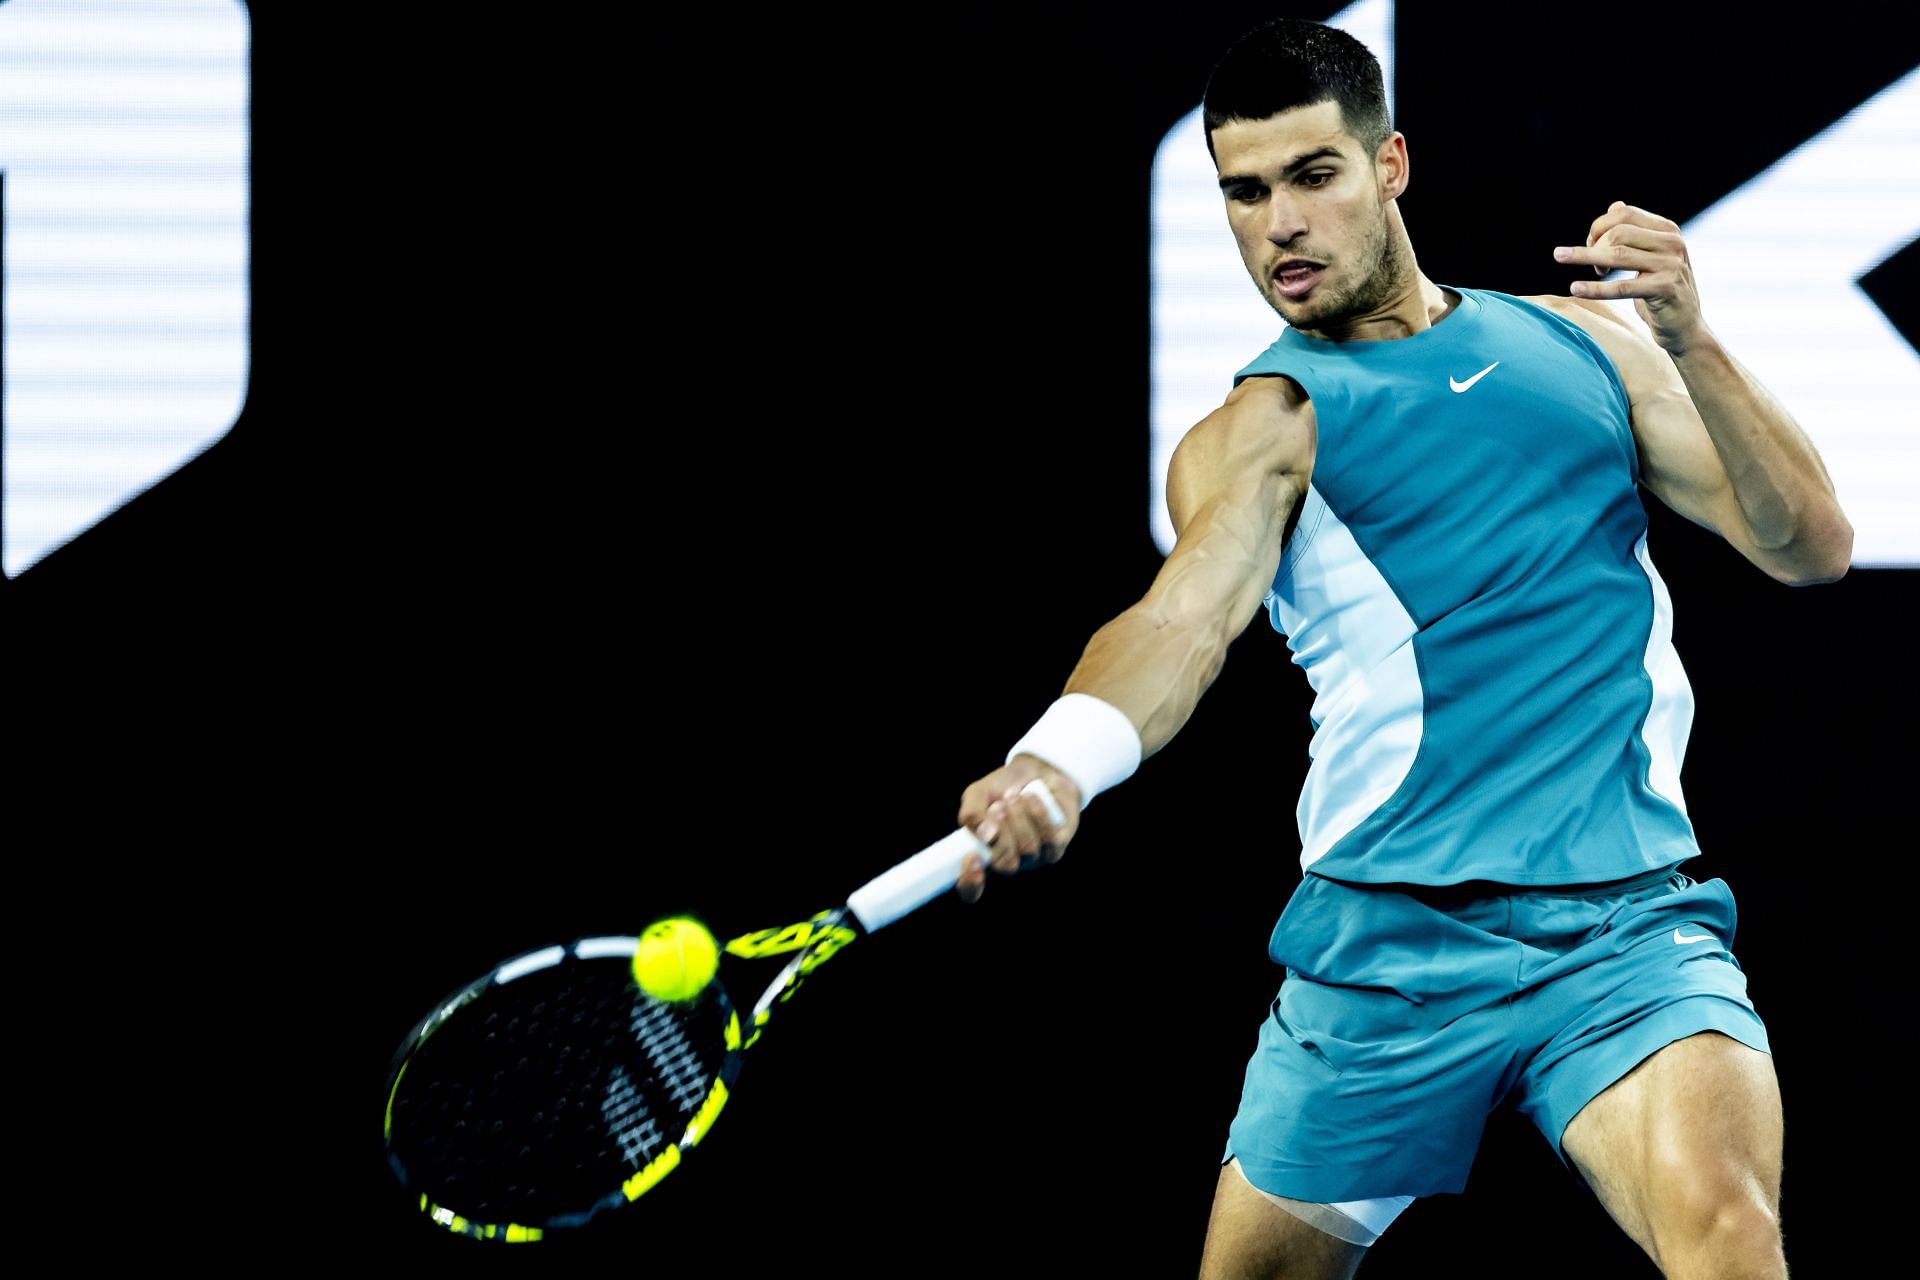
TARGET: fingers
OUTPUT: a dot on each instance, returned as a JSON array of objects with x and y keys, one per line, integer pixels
[
  {"x": 1050, "y": 834},
  {"x": 973, "y": 880},
  {"x": 1614, "y": 257},
  {"x": 1647, "y": 244},
  {"x": 1636, "y": 286},
  {"x": 1620, "y": 212},
  {"x": 1627, "y": 224},
  {"x": 1016, "y": 838},
  {"x": 1007, "y": 813},
  {"x": 1637, "y": 237},
  {"x": 973, "y": 804},
  {"x": 1628, "y": 247},
  {"x": 973, "y": 872}
]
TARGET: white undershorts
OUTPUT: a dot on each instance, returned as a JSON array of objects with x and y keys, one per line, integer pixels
[{"x": 1355, "y": 1221}]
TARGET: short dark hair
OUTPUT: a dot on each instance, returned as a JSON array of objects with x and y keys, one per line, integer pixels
[{"x": 1290, "y": 63}]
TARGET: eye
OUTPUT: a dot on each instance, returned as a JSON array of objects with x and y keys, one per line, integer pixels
[
  {"x": 1318, "y": 178},
  {"x": 1246, "y": 194}
]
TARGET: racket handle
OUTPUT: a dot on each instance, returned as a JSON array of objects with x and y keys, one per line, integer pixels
[{"x": 931, "y": 872}]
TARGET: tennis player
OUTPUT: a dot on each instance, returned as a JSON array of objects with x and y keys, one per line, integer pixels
[{"x": 1431, "y": 491}]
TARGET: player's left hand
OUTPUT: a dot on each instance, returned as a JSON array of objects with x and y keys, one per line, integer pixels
[{"x": 1629, "y": 238}]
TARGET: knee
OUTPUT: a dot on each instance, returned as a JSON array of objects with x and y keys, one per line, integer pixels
[{"x": 1732, "y": 1237}]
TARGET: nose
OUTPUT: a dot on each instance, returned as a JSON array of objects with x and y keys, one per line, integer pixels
[{"x": 1285, "y": 220}]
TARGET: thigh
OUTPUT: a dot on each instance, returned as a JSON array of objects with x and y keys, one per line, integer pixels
[
  {"x": 1249, "y": 1237},
  {"x": 1638, "y": 972},
  {"x": 1690, "y": 1135}
]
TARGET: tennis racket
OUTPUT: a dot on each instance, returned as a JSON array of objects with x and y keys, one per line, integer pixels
[{"x": 553, "y": 1089}]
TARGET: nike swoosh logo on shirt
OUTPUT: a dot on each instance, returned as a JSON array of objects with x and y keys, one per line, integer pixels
[
  {"x": 1462, "y": 386},
  {"x": 1680, "y": 937}
]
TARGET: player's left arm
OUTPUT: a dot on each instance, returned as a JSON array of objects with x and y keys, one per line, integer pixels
[{"x": 1714, "y": 445}]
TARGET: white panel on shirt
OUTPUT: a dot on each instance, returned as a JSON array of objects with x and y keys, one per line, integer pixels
[
  {"x": 1670, "y": 718},
  {"x": 1354, "y": 639}
]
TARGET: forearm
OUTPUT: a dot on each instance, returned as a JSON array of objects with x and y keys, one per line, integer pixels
[
  {"x": 1232, "y": 485},
  {"x": 1153, "y": 666},
  {"x": 1777, "y": 476}
]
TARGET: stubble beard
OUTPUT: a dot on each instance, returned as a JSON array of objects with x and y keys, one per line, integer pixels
[{"x": 1382, "y": 278}]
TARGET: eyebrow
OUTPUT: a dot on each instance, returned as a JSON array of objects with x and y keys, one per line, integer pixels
[{"x": 1291, "y": 167}]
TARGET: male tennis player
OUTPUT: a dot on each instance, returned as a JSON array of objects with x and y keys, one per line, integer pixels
[{"x": 1432, "y": 492}]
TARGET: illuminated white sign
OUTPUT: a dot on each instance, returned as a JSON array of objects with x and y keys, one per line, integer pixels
[
  {"x": 124, "y": 285},
  {"x": 1778, "y": 263}
]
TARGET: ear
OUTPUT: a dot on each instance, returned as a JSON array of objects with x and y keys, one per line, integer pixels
[{"x": 1391, "y": 164}]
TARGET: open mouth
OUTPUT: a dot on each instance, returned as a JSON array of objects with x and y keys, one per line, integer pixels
[{"x": 1295, "y": 277}]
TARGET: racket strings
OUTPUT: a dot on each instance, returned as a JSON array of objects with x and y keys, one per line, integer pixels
[
  {"x": 629, "y": 1121},
  {"x": 568, "y": 1070},
  {"x": 677, "y": 1064}
]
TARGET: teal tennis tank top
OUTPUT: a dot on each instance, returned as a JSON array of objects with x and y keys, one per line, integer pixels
[{"x": 1469, "y": 593}]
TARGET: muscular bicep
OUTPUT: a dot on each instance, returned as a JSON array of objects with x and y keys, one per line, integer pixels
[
  {"x": 1678, "y": 461},
  {"x": 1232, "y": 490}
]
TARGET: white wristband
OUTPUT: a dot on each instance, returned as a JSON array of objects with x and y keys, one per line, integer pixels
[{"x": 1086, "y": 738}]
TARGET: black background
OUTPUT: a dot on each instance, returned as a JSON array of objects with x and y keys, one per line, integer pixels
[{"x": 680, "y": 456}]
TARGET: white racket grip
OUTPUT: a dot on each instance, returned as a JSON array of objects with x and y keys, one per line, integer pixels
[{"x": 931, "y": 872}]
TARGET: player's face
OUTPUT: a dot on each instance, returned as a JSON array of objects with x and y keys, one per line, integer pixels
[{"x": 1308, "y": 208}]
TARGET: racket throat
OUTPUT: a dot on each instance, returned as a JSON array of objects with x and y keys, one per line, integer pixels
[{"x": 818, "y": 940}]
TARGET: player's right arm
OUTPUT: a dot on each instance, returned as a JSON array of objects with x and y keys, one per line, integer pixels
[{"x": 1232, "y": 487}]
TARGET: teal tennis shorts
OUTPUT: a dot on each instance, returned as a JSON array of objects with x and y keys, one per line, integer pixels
[{"x": 1409, "y": 1012}]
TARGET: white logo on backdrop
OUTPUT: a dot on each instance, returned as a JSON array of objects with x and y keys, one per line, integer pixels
[{"x": 124, "y": 288}]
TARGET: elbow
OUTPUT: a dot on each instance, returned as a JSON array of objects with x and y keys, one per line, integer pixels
[
  {"x": 1814, "y": 580},
  {"x": 1834, "y": 558}
]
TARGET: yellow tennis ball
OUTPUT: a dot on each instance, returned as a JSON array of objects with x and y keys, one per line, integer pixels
[{"x": 676, "y": 959}]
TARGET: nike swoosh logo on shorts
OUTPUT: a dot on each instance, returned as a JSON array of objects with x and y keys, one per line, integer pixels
[
  {"x": 1680, "y": 937},
  {"x": 1462, "y": 386}
]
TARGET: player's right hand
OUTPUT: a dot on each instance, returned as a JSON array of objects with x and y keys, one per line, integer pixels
[{"x": 1014, "y": 826}]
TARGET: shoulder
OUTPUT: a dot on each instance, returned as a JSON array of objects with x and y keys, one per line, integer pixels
[
  {"x": 1590, "y": 314},
  {"x": 1260, "y": 438},
  {"x": 1266, "y": 420},
  {"x": 1616, "y": 330}
]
